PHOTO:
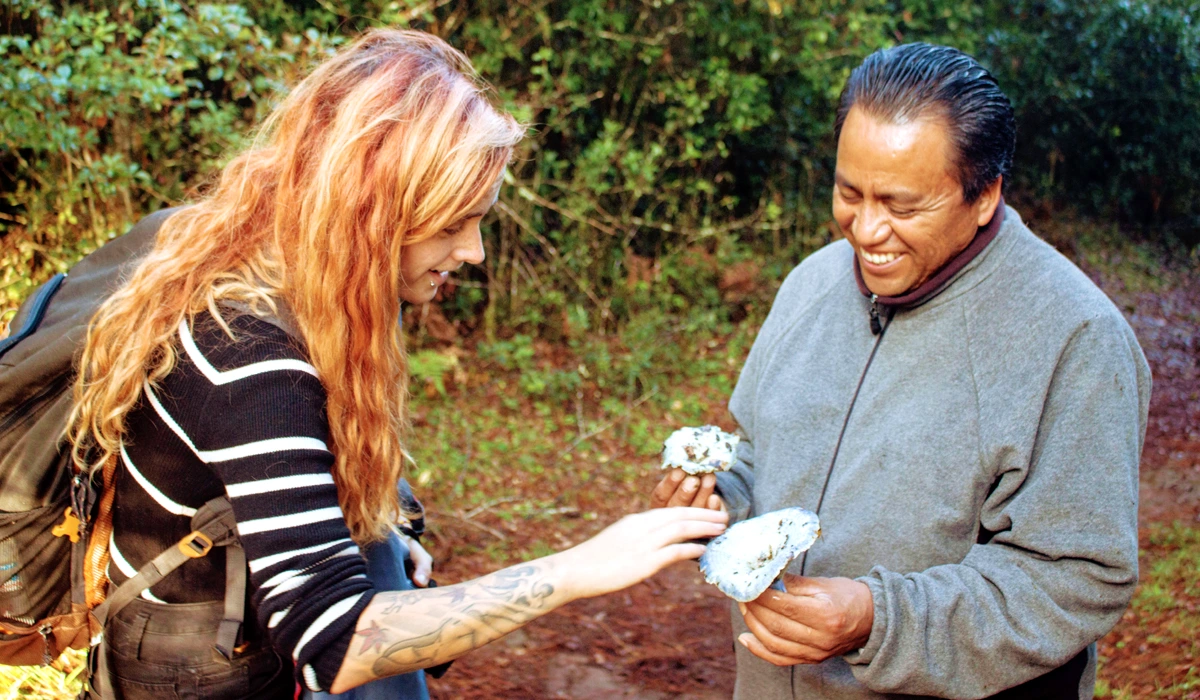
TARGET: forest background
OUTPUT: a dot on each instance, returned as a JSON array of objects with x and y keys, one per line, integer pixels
[{"x": 678, "y": 165}]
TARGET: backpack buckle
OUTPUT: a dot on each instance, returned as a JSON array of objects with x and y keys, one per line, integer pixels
[{"x": 195, "y": 545}]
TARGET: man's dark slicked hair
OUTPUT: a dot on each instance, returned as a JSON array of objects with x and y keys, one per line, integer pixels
[{"x": 912, "y": 81}]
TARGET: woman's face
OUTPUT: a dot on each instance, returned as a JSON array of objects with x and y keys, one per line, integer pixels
[{"x": 425, "y": 265}]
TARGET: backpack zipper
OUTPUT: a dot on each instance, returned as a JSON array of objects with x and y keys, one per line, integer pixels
[
  {"x": 45, "y": 631},
  {"x": 36, "y": 312}
]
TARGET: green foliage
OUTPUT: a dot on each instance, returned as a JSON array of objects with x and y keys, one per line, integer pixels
[
  {"x": 662, "y": 127},
  {"x": 669, "y": 141},
  {"x": 1108, "y": 95},
  {"x": 110, "y": 111},
  {"x": 431, "y": 366},
  {"x": 60, "y": 681}
]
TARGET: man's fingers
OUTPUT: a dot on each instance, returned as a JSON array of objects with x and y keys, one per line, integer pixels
[
  {"x": 686, "y": 492},
  {"x": 778, "y": 638},
  {"x": 681, "y": 490},
  {"x": 708, "y": 482},
  {"x": 795, "y": 606},
  {"x": 802, "y": 585},
  {"x": 785, "y": 628},
  {"x": 757, "y": 648},
  {"x": 660, "y": 497}
]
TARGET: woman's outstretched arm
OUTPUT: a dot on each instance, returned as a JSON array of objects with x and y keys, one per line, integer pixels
[{"x": 401, "y": 631}]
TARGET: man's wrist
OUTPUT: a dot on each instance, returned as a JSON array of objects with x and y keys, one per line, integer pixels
[{"x": 865, "y": 604}]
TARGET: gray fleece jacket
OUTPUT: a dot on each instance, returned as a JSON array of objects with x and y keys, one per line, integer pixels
[{"x": 985, "y": 488}]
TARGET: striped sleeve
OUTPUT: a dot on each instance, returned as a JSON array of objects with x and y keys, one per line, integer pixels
[{"x": 253, "y": 411}]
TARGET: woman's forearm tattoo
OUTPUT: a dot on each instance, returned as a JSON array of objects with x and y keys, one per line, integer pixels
[{"x": 417, "y": 629}]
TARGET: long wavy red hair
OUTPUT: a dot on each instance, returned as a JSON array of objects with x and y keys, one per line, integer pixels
[{"x": 384, "y": 144}]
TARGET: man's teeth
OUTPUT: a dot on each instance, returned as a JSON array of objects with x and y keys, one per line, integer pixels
[{"x": 879, "y": 259}]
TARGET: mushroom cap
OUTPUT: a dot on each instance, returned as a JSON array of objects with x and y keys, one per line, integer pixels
[
  {"x": 751, "y": 554},
  {"x": 700, "y": 450}
]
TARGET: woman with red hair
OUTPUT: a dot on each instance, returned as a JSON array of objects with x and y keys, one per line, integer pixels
[{"x": 255, "y": 354}]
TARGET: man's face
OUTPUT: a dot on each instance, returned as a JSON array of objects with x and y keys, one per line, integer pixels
[
  {"x": 425, "y": 265},
  {"x": 898, "y": 201}
]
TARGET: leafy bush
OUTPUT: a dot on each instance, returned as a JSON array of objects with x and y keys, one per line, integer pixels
[
  {"x": 1108, "y": 95},
  {"x": 111, "y": 111},
  {"x": 671, "y": 141},
  {"x": 658, "y": 126}
]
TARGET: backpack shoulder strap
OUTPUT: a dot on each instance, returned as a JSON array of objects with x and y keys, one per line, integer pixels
[{"x": 213, "y": 526}]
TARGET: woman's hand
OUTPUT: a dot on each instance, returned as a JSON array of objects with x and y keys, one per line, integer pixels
[
  {"x": 421, "y": 559},
  {"x": 679, "y": 489},
  {"x": 635, "y": 548}
]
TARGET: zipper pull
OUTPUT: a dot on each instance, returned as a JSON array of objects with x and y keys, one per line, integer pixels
[
  {"x": 45, "y": 630},
  {"x": 876, "y": 327}
]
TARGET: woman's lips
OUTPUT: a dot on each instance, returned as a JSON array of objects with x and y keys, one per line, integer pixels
[{"x": 439, "y": 277}]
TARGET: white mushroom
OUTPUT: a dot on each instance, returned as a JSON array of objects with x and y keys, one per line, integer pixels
[
  {"x": 750, "y": 555},
  {"x": 700, "y": 450}
]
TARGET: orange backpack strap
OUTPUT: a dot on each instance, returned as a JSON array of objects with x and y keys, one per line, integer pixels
[{"x": 95, "y": 563}]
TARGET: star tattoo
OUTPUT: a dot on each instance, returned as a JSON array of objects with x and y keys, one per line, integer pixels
[{"x": 373, "y": 637}]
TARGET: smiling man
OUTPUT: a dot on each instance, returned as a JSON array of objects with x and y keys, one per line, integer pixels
[{"x": 960, "y": 404}]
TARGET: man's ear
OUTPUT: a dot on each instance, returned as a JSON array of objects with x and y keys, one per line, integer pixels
[{"x": 988, "y": 200}]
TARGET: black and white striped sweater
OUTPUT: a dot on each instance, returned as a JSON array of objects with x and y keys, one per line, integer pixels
[{"x": 244, "y": 418}]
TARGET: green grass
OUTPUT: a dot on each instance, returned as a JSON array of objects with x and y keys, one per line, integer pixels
[
  {"x": 60, "y": 681},
  {"x": 1164, "y": 617}
]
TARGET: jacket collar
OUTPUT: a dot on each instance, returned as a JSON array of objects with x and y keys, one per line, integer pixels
[{"x": 932, "y": 286}]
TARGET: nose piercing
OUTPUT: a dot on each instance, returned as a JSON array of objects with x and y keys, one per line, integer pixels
[{"x": 432, "y": 283}]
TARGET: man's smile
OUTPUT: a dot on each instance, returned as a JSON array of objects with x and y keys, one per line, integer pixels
[{"x": 879, "y": 258}]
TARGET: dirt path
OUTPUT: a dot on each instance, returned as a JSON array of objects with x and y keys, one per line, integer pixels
[
  {"x": 1147, "y": 651},
  {"x": 665, "y": 638},
  {"x": 670, "y": 637}
]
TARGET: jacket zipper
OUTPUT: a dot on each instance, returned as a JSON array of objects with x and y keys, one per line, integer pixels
[{"x": 877, "y": 329}]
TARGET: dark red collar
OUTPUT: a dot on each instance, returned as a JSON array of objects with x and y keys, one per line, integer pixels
[{"x": 983, "y": 237}]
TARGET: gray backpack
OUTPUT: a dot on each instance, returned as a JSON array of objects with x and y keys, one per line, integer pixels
[{"x": 48, "y": 511}]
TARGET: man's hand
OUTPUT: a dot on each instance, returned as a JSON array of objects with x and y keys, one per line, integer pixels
[
  {"x": 816, "y": 619},
  {"x": 679, "y": 489}
]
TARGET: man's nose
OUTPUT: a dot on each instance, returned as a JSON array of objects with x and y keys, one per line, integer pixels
[{"x": 871, "y": 226}]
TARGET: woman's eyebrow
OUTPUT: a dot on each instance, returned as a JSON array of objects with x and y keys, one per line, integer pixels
[{"x": 462, "y": 220}]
